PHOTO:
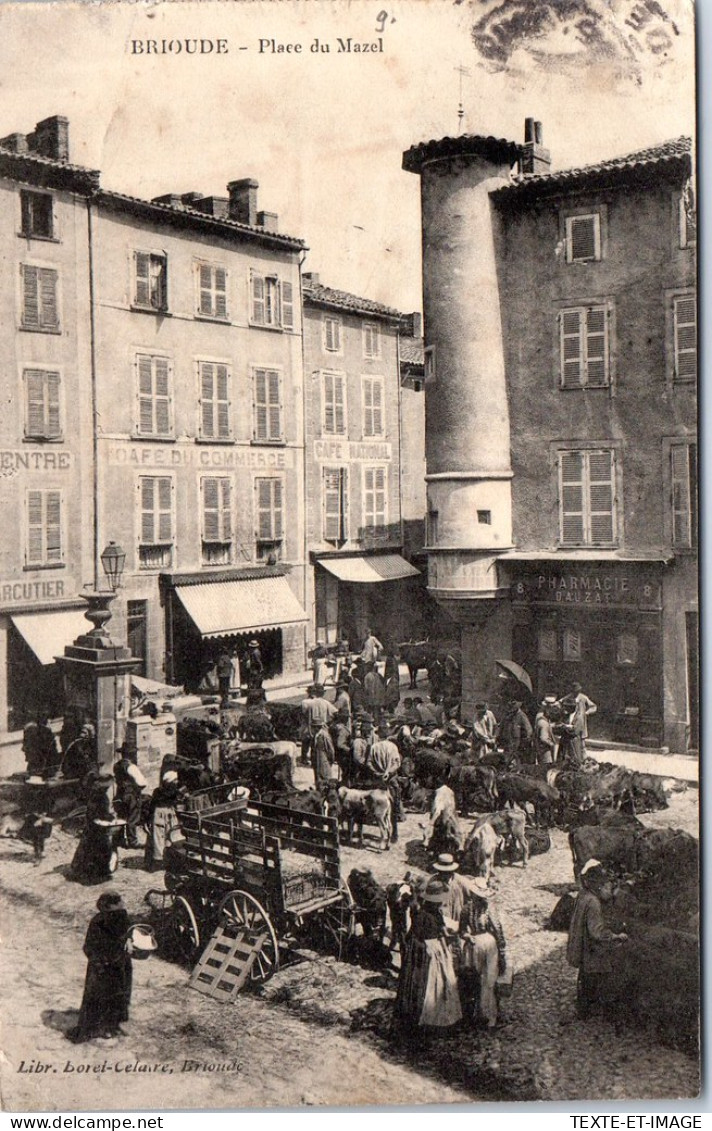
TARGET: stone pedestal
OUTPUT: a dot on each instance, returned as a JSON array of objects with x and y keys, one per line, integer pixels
[{"x": 97, "y": 678}]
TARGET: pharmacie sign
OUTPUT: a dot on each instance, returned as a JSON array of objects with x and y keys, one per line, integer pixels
[{"x": 618, "y": 585}]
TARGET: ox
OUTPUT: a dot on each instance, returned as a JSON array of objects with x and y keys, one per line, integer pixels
[
  {"x": 614, "y": 847},
  {"x": 367, "y": 805},
  {"x": 475, "y": 787},
  {"x": 517, "y": 789}
]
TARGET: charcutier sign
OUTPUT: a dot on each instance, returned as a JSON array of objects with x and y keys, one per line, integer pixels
[{"x": 617, "y": 585}]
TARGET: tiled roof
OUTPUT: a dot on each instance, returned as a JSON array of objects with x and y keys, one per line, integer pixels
[
  {"x": 676, "y": 151},
  {"x": 318, "y": 295},
  {"x": 497, "y": 149},
  {"x": 190, "y": 217},
  {"x": 412, "y": 351},
  {"x": 46, "y": 170}
]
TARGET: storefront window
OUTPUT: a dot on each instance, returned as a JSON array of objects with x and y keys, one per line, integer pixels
[
  {"x": 627, "y": 648},
  {"x": 572, "y": 644},
  {"x": 547, "y": 644}
]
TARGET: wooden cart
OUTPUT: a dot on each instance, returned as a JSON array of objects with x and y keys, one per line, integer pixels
[{"x": 253, "y": 877}]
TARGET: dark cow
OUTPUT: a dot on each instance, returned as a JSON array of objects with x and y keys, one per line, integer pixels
[
  {"x": 401, "y": 897},
  {"x": 517, "y": 789},
  {"x": 614, "y": 847},
  {"x": 415, "y": 655},
  {"x": 371, "y": 902},
  {"x": 432, "y": 767},
  {"x": 261, "y": 769},
  {"x": 648, "y": 792},
  {"x": 475, "y": 787}
]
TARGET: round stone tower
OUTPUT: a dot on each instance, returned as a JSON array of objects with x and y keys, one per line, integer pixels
[{"x": 467, "y": 417}]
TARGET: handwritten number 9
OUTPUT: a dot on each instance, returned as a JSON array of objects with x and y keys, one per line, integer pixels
[{"x": 381, "y": 20}]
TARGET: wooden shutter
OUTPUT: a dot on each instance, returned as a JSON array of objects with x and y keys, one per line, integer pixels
[
  {"x": 162, "y": 396},
  {"x": 257, "y": 285},
  {"x": 264, "y": 510},
  {"x": 277, "y": 523},
  {"x": 26, "y": 209},
  {"x": 571, "y": 497},
  {"x": 222, "y": 424},
  {"x": 600, "y": 497},
  {"x": 685, "y": 318},
  {"x": 274, "y": 406},
  {"x": 35, "y": 392},
  {"x": 30, "y": 296},
  {"x": 148, "y": 495},
  {"x": 165, "y": 510},
  {"x": 54, "y": 426},
  {"x": 596, "y": 346},
  {"x": 49, "y": 317},
  {"x": 226, "y": 509},
  {"x": 205, "y": 276},
  {"x": 570, "y": 322},
  {"x": 35, "y": 539},
  {"x": 207, "y": 400},
  {"x": 332, "y": 504},
  {"x": 53, "y": 528},
  {"x": 287, "y": 306},
  {"x": 339, "y": 405},
  {"x": 367, "y": 406},
  {"x": 332, "y": 334},
  {"x": 260, "y": 404},
  {"x": 584, "y": 240},
  {"x": 142, "y": 262},
  {"x": 329, "y": 404},
  {"x": 211, "y": 510},
  {"x": 680, "y": 468},
  {"x": 145, "y": 393},
  {"x": 377, "y": 403},
  {"x": 220, "y": 292},
  {"x": 370, "y": 340}
]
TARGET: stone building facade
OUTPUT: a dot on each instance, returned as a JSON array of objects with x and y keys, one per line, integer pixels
[{"x": 561, "y": 423}]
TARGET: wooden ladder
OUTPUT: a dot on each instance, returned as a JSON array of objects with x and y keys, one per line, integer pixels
[{"x": 225, "y": 964}]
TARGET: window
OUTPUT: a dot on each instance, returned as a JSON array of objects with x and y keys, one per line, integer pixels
[
  {"x": 547, "y": 644},
  {"x": 627, "y": 648},
  {"x": 150, "y": 281},
  {"x": 683, "y": 467},
  {"x": 583, "y": 238},
  {"x": 433, "y": 522},
  {"x": 484, "y": 518},
  {"x": 584, "y": 347},
  {"x": 332, "y": 334},
  {"x": 334, "y": 422},
  {"x": 42, "y": 416},
  {"x": 217, "y": 520},
  {"x": 336, "y": 504},
  {"x": 687, "y": 215},
  {"x": 154, "y": 395},
  {"x": 572, "y": 649},
  {"x": 374, "y": 496},
  {"x": 44, "y": 528},
  {"x": 40, "y": 310},
  {"x": 371, "y": 340},
  {"x": 272, "y": 302},
  {"x": 137, "y": 632},
  {"x": 155, "y": 549},
  {"x": 685, "y": 334},
  {"x": 214, "y": 401},
  {"x": 586, "y": 498},
  {"x": 37, "y": 215},
  {"x": 212, "y": 291},
  {"x": 268, "y": 406},
  {"x": 270, "y": 524},
  {"x": 372, "y": 406}
]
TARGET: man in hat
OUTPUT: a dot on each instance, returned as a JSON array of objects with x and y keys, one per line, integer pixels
[
  {"x": 382, "y": 764},
  {"x": 544, "y": 740},
  {"x": 459, "y": 888},
  {"x": 583, "y": 707},
  {"x": 316, "y": 712},
  {"x": 484, "y": 727},
  {"x": 323, "y": 756},
  {"x": 361, "y": 746},
  {"x": 590, "y": 941},
  {"x": 515, "y": 732},
  {"x": 340, "y": 731},
  {"x": 484, "y": 951},
  {"x": 320, "y": 667},
  {"x": 224, "y": 670},
  {"x": 371, "y": 647},
  {"x": 107, "y": 987},
  {"x": 342, "y": 702},
  {"x": 253, "y": 665}
]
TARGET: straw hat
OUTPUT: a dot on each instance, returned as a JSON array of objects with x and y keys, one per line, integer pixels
[
  {"x": 480, "y": 888},
  {"x": 445, "y": 863}
]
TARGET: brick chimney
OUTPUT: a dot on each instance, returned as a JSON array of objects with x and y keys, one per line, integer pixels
[
  {"x": 311, "y": 277},
  {"x": 243, "y": 201},
  {"x": 268, "y": 220},
  {"x": 50, "y": 138},
  {"x": 171, "y": 198},
  {"x": 534, "y": 158},
  {"x": 190, "y": 198},
  {"x": 17, "y": 143},
  {"x": 414, "y": 325}
]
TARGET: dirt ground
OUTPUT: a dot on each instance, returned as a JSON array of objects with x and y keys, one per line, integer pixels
[{"x": 318, "y": 1033}]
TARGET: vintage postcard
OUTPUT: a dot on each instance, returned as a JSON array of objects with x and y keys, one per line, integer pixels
[{"x": 349, "y": 638}]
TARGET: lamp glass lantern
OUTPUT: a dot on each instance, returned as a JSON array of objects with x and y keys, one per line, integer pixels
[{"x": 113, "y": 559}]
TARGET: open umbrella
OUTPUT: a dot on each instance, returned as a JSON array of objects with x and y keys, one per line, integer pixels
[{"x": 517, "y": 671}]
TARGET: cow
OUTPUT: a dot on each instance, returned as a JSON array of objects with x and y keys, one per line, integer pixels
[
  {"x": 519, "y": 789},
  {"x": 648, "y": 792},
  {"x": 612, "y": 787},
  {"x": 510, "y": 824},
  {"x": 480, "y": 848},
  {"x": 400, "y": 898},
  {"x": 371, "y": 902},
  {"x": 360, "y": 805},
  {"x": 443, "y": 802},
  {"x": 475, "y": 787},
  {"x": 432, "y": 767},
  {"x": 614, "y": 847},
  {"x": 415, "y": 655}
]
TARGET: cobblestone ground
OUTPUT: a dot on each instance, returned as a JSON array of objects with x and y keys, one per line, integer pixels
[{"x": 319, "y": 1034}]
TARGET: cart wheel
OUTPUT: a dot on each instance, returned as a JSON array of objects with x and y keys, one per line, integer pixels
[
  {"x": 337, "y": 922},
  {"x": 182, "y": 934},
  {"x": 242, "y": 910}
]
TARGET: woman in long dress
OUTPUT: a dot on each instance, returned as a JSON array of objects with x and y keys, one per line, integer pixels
[
  {"x": 162, "y": 820},
  {"x": 107, "y": 987},
  {"x": 428, "y": 994},
  {"x": 483, "y": 953},
  {"x": 95, "y": 859}
]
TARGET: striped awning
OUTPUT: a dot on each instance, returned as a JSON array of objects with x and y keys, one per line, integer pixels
[
  {"x": 49, "y": 633},
  {"x": 361, "y": 569},
  {"x": 227, "y": 608}
]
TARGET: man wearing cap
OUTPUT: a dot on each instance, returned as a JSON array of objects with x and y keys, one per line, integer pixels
[
  {"x": 590, "y": 941},
  {"x": 323, "y": 756},
  {"x": 253, "y": 665},
  {"x": 544, "y": 740},
  {"x": 361, "y": 746},
  {"x": 342, "y": 702},
  {"x": 383, "y": 763}
]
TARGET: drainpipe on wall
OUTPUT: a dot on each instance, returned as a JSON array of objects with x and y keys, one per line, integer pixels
[{"x": 94, "y": 410}]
